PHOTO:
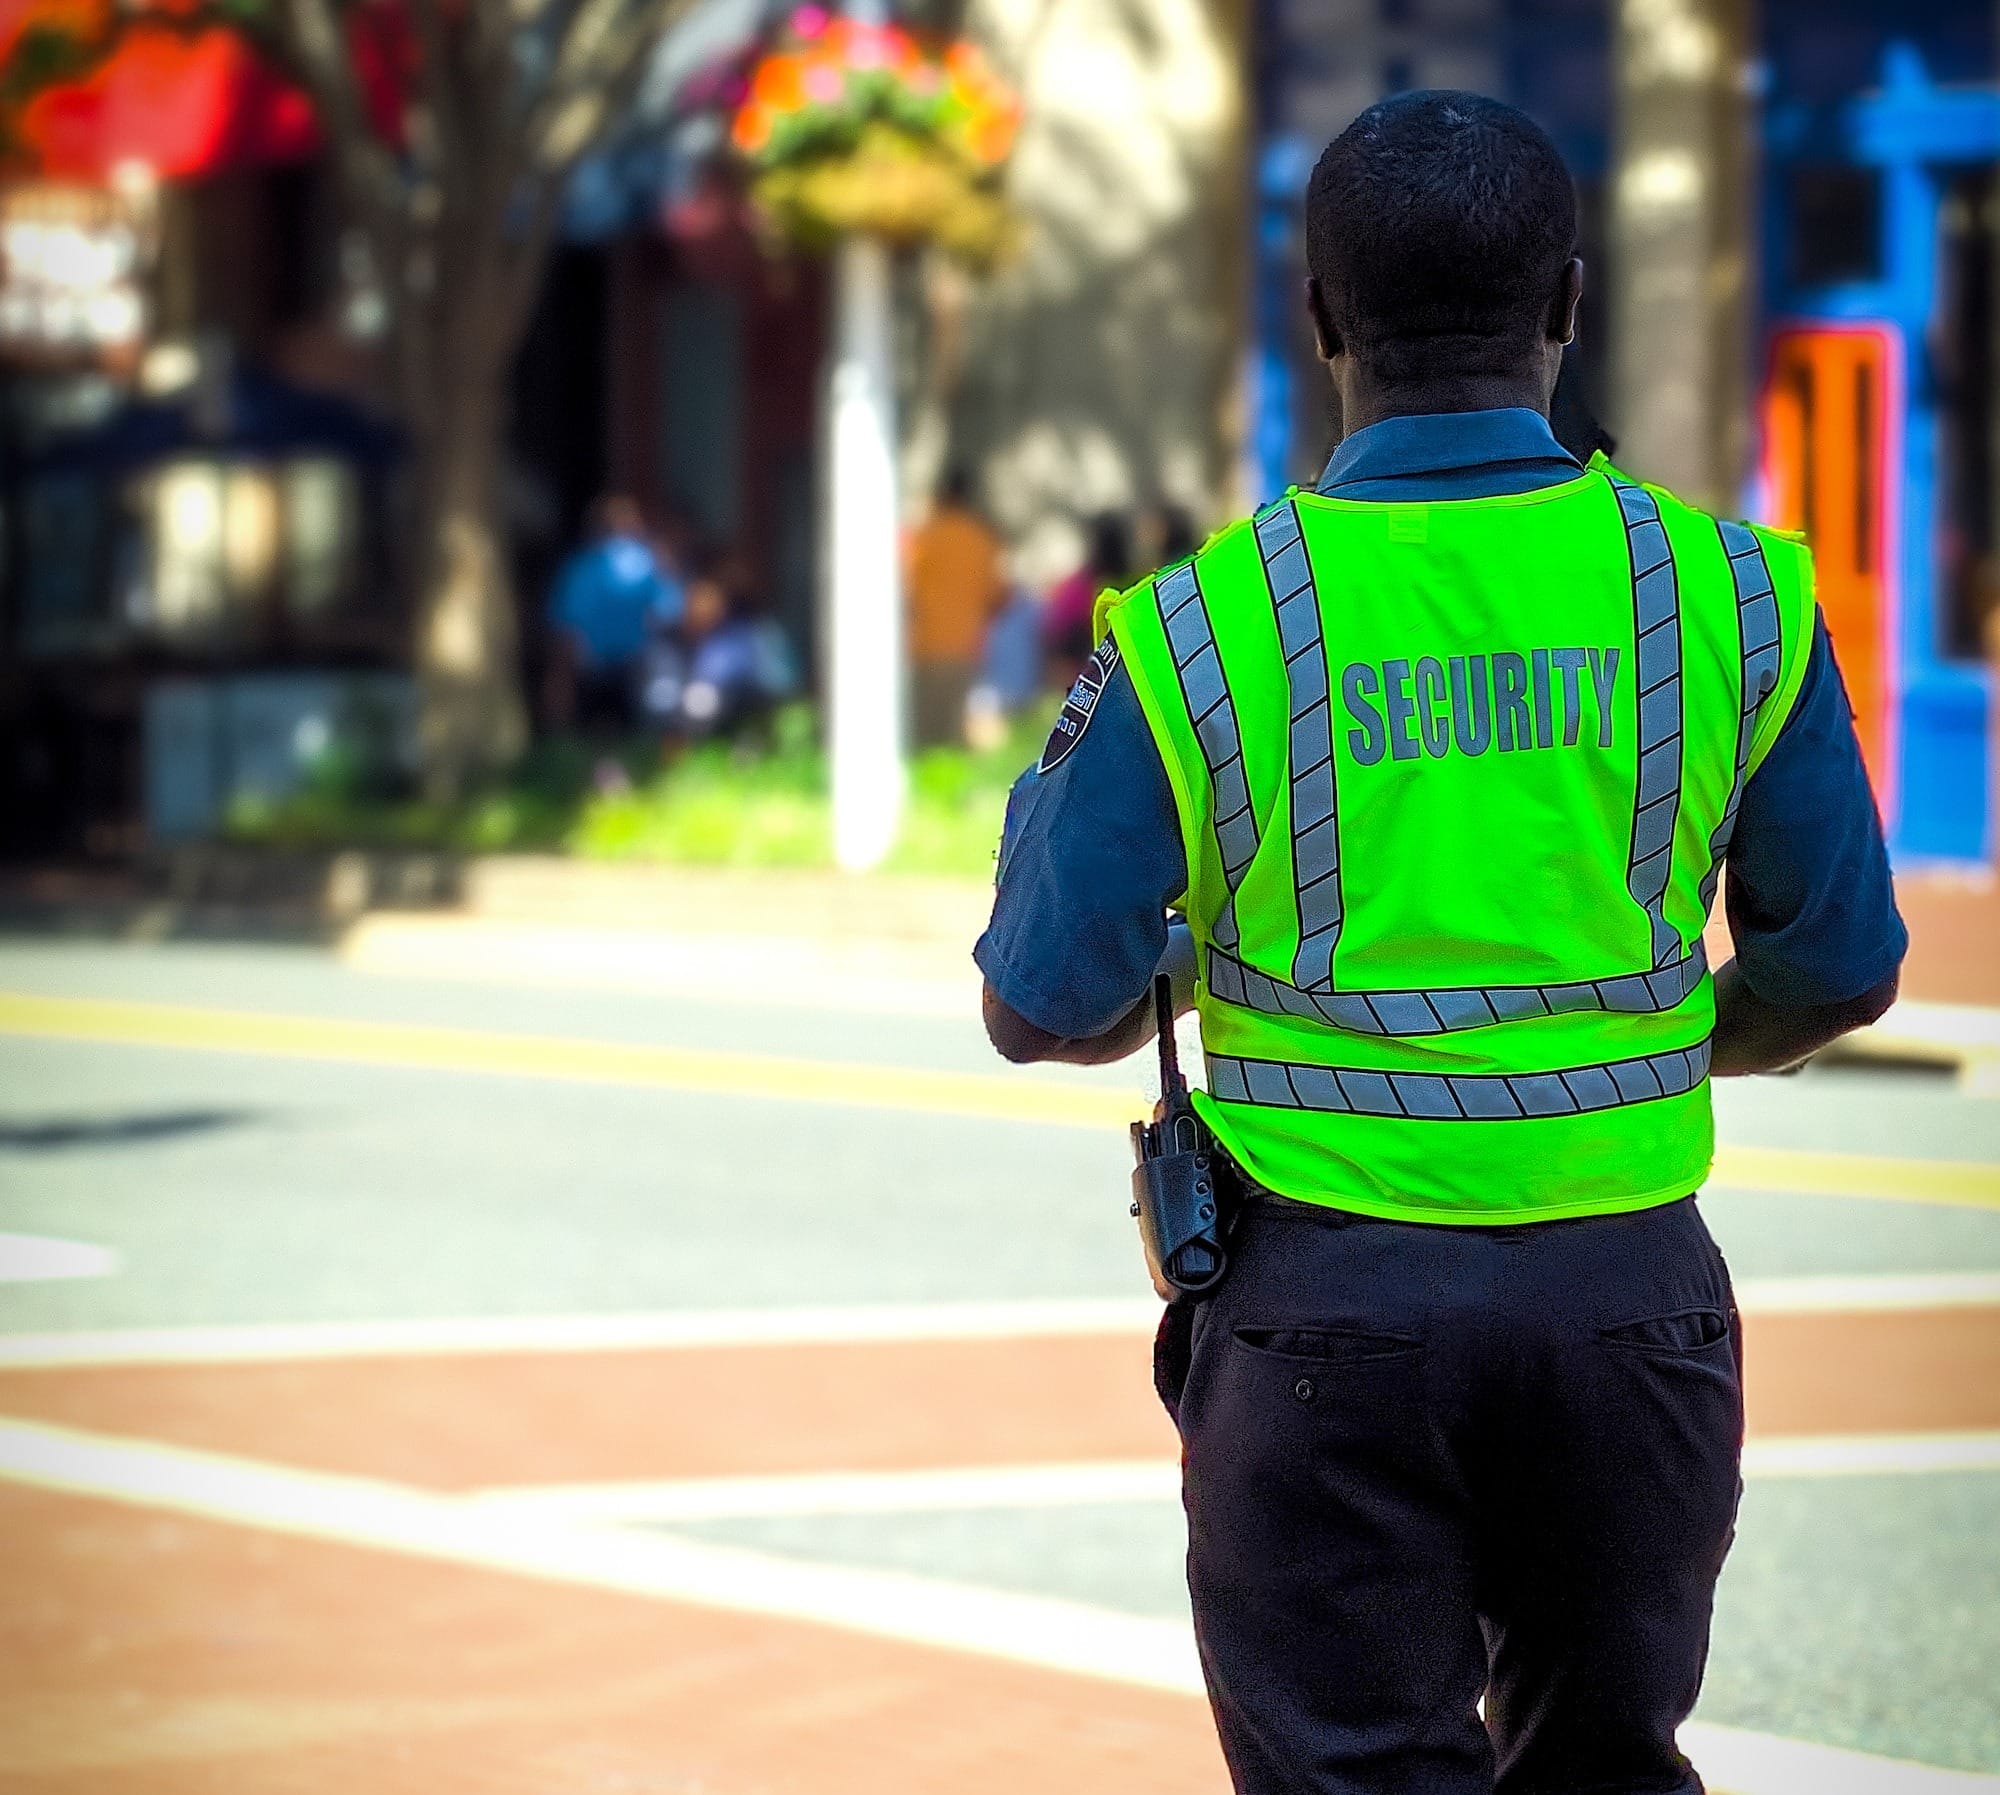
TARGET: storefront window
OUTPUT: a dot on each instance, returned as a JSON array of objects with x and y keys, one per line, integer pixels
[
  {"x": 239, "y": 547},
  {"x": 322, "y": 509},
  {"x": 187, "y": 598}
]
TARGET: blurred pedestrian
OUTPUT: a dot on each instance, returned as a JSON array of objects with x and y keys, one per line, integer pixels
[
  {"x": 739, "y": 662},
  {"x": 956, "y": 581},
  {"x": 610, "y": 599},
  {"x": 1107, "y": 564},
  {"x": 1166, "y": 534},
  {"x": 1010, "y": 669}
]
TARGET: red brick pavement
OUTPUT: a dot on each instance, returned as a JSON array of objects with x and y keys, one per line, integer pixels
[
  {"x": 473, "y": 1420},
  {"x": 157, "y": 1655}
]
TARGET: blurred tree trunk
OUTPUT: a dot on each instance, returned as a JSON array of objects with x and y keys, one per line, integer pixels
[
  {"x": 455, "y": 207},
  {"x": 467, "y": 633},
  {"x": 1682, "y": 246}
]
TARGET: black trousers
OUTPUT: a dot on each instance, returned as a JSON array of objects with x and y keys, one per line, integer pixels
[{"x": 1426, "y": 1465}]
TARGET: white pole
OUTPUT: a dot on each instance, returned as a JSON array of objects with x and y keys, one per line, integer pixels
[{"x": 865, "y": 608}]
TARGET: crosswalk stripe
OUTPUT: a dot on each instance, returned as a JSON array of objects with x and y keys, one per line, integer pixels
[{"x": 1039, "y": 1631}]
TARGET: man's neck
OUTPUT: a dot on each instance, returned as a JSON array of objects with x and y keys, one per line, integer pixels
[{"x": 1365, "y": 402}]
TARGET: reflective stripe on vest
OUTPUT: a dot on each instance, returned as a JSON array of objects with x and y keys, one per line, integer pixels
[
  {"x": 1757, "y": 637},
  {"x": 1424, "y": 1096},
  {"x": 1656, "y": 605},
  {"x": 1315, "y": 826},
  {"x": 1406, "y": 1013},
  {"x": 1205, "y": 692}
]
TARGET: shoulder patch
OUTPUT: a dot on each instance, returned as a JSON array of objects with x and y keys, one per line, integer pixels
[{"x": 1081, "y": 704}]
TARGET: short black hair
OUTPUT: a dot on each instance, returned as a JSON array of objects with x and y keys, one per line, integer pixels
[{"x": 1438, "y": 225}]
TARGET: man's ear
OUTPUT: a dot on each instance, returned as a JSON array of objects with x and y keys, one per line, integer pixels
[
  {"x": 1561, "y": 325},
  {"x": 1325, "y": 332}
]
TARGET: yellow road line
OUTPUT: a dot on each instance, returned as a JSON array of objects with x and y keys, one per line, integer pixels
[
  {"x": 771, "y": 1078},
  {"x": 987, "y": 1096},
  {"x": 1955, "y": 1183}
]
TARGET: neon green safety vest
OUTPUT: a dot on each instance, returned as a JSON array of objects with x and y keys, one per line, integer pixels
[{"x": 1455, "y": 781}]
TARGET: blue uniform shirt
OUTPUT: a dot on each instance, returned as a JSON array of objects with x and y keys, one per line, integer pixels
[
  {"x": 612, "y": 595},
  {"x": 1091, "y": 859}
]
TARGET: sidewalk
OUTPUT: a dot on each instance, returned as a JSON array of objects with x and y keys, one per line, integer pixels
[
  {"x": 903, "y": 945},
  {"x": 880, "y": 943},
  {"x": 1954, "y": 923},
  {"x": 1949, "y": 1011},
  {"x": 1950, "y": 1008}
]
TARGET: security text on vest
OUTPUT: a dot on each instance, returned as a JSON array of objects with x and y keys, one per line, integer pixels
[{"x": 1469, "y": 703}]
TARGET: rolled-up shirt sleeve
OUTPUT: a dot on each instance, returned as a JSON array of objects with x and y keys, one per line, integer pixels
[
  {"x": 1089, "y": 862},
  {"x": 1811, "y": 904}
]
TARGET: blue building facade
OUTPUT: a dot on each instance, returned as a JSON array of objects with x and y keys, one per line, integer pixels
[{"x": 1880, "y": 215}]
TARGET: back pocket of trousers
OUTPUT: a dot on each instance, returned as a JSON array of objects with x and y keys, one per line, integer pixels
[
  {"x": 1682, "y": 1333},
  {"x": 1326, "y": 1346}
]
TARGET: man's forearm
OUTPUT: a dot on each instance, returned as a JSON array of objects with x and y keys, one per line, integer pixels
[
  {"x": 1024, "y": 1043},
  {"x": 1021, "y": 1041},
  {"x": 1752, "y": 1035}
]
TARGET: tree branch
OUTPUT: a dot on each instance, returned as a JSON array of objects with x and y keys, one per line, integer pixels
[
  {"x": 601, "y": 65},
  {"x": 437, "y": 74},
  {"x": 306, "y": 40}
]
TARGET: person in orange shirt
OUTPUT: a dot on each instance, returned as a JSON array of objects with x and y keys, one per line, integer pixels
[{"x": 957, "y": 579}]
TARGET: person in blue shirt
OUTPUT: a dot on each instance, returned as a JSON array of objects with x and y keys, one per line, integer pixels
[
  {"x": 611, "y": 598},
  {"x": 1457, "y": 1495}
]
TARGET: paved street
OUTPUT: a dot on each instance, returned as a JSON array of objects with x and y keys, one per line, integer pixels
[{"x": 470, "y": 1384}]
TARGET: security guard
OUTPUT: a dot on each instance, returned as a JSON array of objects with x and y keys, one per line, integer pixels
[{"x": 1442, "y": 761}]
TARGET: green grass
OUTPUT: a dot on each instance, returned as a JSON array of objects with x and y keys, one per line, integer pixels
[{"x": 740, "y": 805}]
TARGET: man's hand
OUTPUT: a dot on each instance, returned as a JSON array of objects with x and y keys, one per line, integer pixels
[{"x": 1752, "y": 1035}]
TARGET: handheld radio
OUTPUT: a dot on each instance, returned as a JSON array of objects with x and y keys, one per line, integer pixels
[{"x": 1177, "y": 1184}]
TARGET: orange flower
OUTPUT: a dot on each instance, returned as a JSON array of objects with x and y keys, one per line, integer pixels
[
  {"x": 948, "y": 100},
  {"x": 779, "y": 83}
]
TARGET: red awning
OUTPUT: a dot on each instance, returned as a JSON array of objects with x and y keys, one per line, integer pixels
[
  {"x": 181, "y": 105},
  {"x": 188, "y": 104}
]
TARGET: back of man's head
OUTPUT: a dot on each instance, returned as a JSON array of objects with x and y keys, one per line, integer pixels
[{"x": 1438, "y": 226}]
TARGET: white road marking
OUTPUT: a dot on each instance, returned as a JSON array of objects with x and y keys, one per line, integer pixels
[
  {"x": 1869, "y": 1455},
  {"x": 847, "y": 1492},
  {"x": 1741, "y": 1762},
  {"x": 1056, "y": 1635},
  {"x": 814, "y": 1325},
  {"x": 31, "y": 1258},
  {"x": 1873, "y": 1290},
  {"x": 1033, "y": 1630},
  {"x": 692, "y": 1328}
]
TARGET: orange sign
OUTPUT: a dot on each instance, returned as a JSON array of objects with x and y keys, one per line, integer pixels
[{"x": 1831, "y": 411}]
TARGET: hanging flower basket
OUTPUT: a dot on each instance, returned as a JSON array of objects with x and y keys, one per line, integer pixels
[{"x": 852, "y": 128}]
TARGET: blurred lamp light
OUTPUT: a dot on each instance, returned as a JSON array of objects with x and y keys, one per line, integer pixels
[{"x": 168, "y": 368}]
